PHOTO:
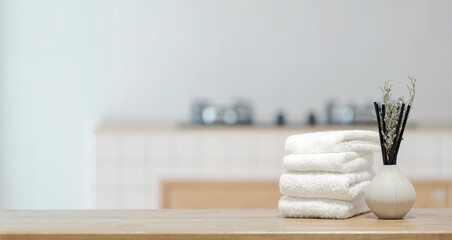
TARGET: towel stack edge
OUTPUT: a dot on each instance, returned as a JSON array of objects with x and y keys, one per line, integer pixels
[
  {"x": 321, "y": 208},
  {"x": 327, "y": 173}
]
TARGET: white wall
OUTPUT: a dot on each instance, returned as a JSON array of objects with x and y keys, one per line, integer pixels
[
  {"x": 52, "y": 94},
  {"x": 65, "y": 65},
  {"x": 291, "y": 54}
]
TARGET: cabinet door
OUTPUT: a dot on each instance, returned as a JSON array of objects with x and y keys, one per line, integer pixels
[
  {"x": 432, "y": 194},
  {"x": 244, "y": 194},
  {"x": 220, "y": 195}
]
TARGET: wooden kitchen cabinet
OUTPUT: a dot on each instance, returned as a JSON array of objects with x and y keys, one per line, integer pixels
[
  {"x": 433, "y": 194},
  {"x": 265, "y": 194},
  {"x": 132, "y": 160},
  {"x": 220, "y": 195}
]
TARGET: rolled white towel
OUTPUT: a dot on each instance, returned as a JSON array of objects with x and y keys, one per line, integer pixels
[
  {"x": 321, "y": 208},
  {"x": 333, "y": 142},
  {"x": 339, "y": 186},
  {"x": 329, "y": 162}
]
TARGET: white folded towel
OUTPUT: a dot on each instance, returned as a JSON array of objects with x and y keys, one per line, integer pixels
[
  {"x": 333, "y": 142},
  {"x": 321, "y": 208},
  {"x": 329, "y": 162},
  {"x": 339, "y": 186}
]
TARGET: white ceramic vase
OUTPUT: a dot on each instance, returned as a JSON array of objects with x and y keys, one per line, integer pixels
[{"x": 390, "y": 195}]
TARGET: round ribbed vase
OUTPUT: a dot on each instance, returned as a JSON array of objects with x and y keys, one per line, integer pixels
[{"x": 390, "y": 195}]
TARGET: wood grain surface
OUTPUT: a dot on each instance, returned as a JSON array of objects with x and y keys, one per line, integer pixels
[{"x": 216, "y": 224}]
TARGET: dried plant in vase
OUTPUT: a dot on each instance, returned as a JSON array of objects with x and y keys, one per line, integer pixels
[
  {"x": 391, "y": 116},
  {"x": 390, "y": 195}
]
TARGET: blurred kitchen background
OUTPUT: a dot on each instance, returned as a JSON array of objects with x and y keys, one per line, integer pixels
[{"x": 144, "y": 104}]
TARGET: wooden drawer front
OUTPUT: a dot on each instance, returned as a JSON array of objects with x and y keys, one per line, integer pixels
[
  {"x": 220, "y": 195},
  {"x": 258, "y": 195},
  {"x": 433, "y": 194}
]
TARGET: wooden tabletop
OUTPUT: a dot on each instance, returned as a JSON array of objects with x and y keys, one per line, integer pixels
[{"x": 216, "y": 224}]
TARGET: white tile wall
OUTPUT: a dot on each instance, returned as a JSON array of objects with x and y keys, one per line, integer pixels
[
  {"x": 445, "y": 164},
  {"x": 131, "y": 165}
]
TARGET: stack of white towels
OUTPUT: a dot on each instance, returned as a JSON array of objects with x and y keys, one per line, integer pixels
[{"x": 327, "y": 173}]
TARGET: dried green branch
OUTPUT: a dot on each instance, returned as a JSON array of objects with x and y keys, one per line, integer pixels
[
  {"x": 412, "y": 88},
  {"x": 392, "y": 113},
  {"x": 386, "y": 91}
]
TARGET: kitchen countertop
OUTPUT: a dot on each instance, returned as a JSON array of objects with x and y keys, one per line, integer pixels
[
  {"x": 127, "y": 127},
  {"x": 216, "y": 224}
]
